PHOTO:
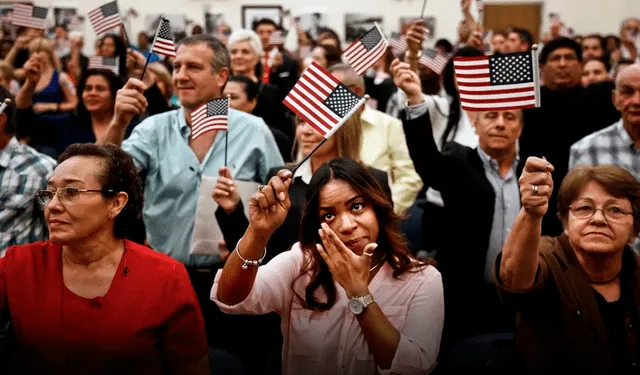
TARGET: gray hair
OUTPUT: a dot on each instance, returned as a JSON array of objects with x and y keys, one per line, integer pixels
[
  {"x": 221, "y": 58},
  {"x": 350, "y": 76},
  {"x": 245, "y": 35},
  {"x": 635, "y": 66}
]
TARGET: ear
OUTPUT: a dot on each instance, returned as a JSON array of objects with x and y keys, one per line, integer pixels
[
  {"x": 118, "y": 204},
  {"x": 223, "y": 75}
]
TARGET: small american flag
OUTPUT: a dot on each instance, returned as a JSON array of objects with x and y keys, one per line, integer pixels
[
  {"x": 496, "y": 83},
  {"x": 277, "y": 38},
  {"x": 398, "y": 43},
  {"x": 322, "y": 101},
  {"x": 163, "y": 43},
  {"x": 366, "y": 51},
  {"x": 433, "y": 60},
  {"x": 29, "y": 16},
  {"x": 209, "y": 117},
  {"x": 105, "y": 17},
  {"x": 105, "y": 63}
]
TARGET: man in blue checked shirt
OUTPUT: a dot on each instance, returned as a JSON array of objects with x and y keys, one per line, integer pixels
[
  {"x": 23, "y": 171},
  {"x": 173, "y": 163}
]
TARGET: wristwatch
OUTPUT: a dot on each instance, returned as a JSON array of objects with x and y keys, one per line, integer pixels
[{"x": 358, "y": 304}]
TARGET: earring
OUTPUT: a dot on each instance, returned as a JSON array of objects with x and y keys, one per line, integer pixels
[{"x": 110, "y": 216}]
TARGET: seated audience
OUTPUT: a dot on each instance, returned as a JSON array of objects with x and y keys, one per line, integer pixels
[
  {"x": 246, "y": 52},
  {"x": 23, "y": 171},
  {"x": 577, "y": 295},
  {"x": 383, "y": 145},
  {"x": 594, "y": 71},
  {"x": 350, "y": 269},
  {"x": 88, "y": 295},
  {"x": 484, "y": 178}
]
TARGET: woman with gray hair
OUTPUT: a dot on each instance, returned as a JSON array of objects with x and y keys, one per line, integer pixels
[{"x": 247, "y": 53}]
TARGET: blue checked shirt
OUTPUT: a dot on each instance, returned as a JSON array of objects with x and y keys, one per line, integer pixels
[{"x": 23, "y": 171}]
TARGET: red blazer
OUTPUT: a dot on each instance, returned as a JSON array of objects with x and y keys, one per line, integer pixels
[{"x": 148, "y": 321}]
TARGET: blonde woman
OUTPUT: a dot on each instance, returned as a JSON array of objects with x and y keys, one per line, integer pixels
[{"x": 346, "y": 142}]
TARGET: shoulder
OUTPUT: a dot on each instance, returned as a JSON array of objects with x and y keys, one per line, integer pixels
[
  {"x": 153, "y": 260},
  {"x": 25, "y": 257},
  {"x": 595, "y": 138},
  {"x": 30, "y": 161}
]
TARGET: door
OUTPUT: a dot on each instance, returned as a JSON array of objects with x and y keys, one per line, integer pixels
[{"x": 503, "y": 16}]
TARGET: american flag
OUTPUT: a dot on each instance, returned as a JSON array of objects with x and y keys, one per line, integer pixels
[
  {"x": 106, "y": 63},
  {"x": 163, "y": 43},
  {"x": 398, "y": 43},
  {"x": 366, "y": 51},
  {"x": 209, "y": 117},
  {"x": 105, "y": 17},
  {"x": 322, "y": 101},
  {"x": 277, "y": 38},
  {"x": 29, "y": 16},
  {"x": 496, "y": 83},
  {"x": 433, "y": 60}
]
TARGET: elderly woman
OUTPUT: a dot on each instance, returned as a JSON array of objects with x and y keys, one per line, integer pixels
[
  {"x": 346, "y": 142},
  {"x": 247, "y": 56},
  {"x": 89, "y": 301},
  {"x": 351, "y": 298},
  {"x": 577, "y": 295}
]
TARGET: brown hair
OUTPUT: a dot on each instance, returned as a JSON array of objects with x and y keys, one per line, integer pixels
[
  {"x": 46, "y": 45},
  {"x": 390, "y": 240},
  {"x": 348, "y": 139},
  {"x": 614, "y": 180}
]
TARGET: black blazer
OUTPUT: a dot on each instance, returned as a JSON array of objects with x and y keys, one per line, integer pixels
[
  {"x": 235, "y": 224},
  {"x": 459, "y": 175}
]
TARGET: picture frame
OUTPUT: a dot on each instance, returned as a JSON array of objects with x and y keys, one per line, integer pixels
[{"x": 254, "y": 13}]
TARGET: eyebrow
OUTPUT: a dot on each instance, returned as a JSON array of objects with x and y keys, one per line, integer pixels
[
  {"x": 346, "y": 203},
  {"x": 65, "y": 181}
]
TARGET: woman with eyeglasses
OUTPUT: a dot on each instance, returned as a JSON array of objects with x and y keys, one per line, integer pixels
[
  {"x": 89, "y": 301},
  {"x": 577, "y": 295}
]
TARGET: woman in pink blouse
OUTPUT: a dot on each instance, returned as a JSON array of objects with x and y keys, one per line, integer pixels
[{"x": 352, "y": 300}]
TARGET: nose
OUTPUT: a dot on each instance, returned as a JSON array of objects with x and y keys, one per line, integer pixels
[
  {"x": 598, "y": 217},
  {"x": 179, "y": 74},
  {"x": 347, "y": 224}
]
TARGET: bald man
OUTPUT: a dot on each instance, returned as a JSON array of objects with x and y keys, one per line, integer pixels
[
  {"x": 619, "y": 144},
  {"x": 384, "y": 146}
]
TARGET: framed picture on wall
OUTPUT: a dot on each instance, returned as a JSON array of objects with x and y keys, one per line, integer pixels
[{"x": 254, "y": 13}]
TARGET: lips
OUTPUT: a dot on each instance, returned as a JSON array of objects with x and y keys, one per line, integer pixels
[
  {"x": 355, "y": 242},
  {"x": 598, "y": 234},
  {"x": 56, "y": 222}
]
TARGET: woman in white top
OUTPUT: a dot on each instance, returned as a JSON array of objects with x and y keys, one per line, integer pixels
[{"x": 352, "y": 300}]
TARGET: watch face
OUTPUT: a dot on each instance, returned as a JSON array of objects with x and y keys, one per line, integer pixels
[{"x": 356, "y": 306}]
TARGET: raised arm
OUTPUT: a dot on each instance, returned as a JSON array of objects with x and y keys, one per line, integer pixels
[
  {"x": 130, "y": 101},
  {"x": 520, "y": 254},
  {"x": 267, "y": 210},
  {"x": 33, "y": 70}
]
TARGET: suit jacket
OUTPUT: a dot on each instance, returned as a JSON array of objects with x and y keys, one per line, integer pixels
[
  {"x": 287, "y": 75},
  {"x": 235, "y": 224}
]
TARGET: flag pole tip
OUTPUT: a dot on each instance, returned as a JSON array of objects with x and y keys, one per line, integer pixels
[
  {"x": 534, "y": 47},
  {"x": 367, "y": 97},
  {"x": 7, "y": 101}
]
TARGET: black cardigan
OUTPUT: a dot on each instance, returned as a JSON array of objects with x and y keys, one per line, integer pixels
[{"x": 235, "y": 224}]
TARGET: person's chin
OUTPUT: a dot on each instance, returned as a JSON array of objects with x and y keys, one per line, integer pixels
[{"x": 599, "y": 246}]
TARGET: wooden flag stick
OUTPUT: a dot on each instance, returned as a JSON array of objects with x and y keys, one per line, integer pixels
[{"x": 162, "y": 19}]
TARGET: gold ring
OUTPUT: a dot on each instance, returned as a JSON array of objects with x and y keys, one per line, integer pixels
[{"x": 535, "y": 189}]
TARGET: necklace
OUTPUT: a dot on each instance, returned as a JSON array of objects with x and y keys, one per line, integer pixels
[
  {"x": 606, "y": 281},
  {"x": 379, "y": 263}
]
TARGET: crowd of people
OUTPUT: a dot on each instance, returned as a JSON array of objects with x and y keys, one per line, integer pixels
[{"x": 418, "y": 238}]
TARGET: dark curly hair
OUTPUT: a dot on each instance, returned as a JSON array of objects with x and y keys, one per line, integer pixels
[
  {"x": 390, "y": 239},
  {"x": 119, "y": 175},
  {"x": 115, "y": 83}
]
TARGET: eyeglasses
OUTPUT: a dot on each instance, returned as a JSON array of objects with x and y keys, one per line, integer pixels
[
  {"x": 586, "y": 211},
  {"x": 65, "y": 195}
]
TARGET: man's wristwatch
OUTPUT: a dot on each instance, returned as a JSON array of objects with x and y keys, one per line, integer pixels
[{"x": 358, "y": 304}]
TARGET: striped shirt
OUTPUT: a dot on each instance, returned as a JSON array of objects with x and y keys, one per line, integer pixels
[{"x": 23, "y": 171}]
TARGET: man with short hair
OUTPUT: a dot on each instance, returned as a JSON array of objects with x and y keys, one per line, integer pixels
[
  {"x": 593, "y": 47},
  {"x": 568, "y": 112},
  {"x": 384, "y": 146},
  {"x": 618, "y": 144},
  {"x": 519, "y": 40},
  {"x": 284, "y": 69},
  {"x": 23, "y": 171}
]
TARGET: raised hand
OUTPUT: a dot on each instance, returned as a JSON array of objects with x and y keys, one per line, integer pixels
[
  {"x": 130, "y": 101},
  {"x": 33, "y": 69},
  {"x": 225, "y": 193},
  {"x": 415, "y": 37},
  {"x": 536, "y": 186},
  {"x": 407, "y": 80},
  {"x": 350, "y": 270},
  {"x": 269, "y": 206}
]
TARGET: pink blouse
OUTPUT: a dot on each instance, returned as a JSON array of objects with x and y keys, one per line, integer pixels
[{"x": 331, "y": 342}]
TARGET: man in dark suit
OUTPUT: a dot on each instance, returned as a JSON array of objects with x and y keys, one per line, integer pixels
[
  {"x": 481, "y": 197},
  {"x": 284, "y": 71}
]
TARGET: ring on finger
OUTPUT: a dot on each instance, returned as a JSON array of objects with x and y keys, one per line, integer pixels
[{"x": 535, "y": 189}]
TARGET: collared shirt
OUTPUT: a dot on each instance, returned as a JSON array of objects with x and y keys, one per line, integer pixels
[
  {"x": 304, "y": 172},
  {"x": 160, "y": 149},
  {"x": 23, "y": 171},
  {"x": 332, "y": 342},
  {"x": 611, "y": 145},
  {"x": 505, "y": 208},
  {"x": 384, "y": 147}
]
